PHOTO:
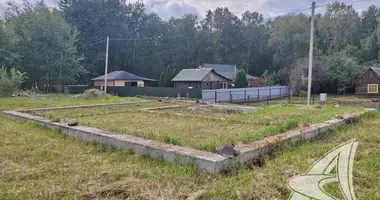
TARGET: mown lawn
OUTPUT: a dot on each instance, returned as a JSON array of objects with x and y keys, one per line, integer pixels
[
  {"x": 205, "y": 129},
  {"x": 37, "y": 163}
]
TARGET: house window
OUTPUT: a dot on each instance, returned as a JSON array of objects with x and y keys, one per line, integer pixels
[
  {"x": 225, "y": 85},
  {"x": 373, "y": 88},
  {"x": 140, "y": 84}
]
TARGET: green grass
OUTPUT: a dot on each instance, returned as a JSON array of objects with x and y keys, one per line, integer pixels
[
  {"x": 332, "y": 99},
  {"x": 205, "y": 129},
  {"x": 12, "y": 103},
  {"x": 38, "y": 163}
]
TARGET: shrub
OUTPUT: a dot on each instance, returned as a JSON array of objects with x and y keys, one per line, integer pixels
[
  {"x": 10, "y": 82},
  {"x": 241, "y": 79},
  {"x": 169, "y": 140},
  {"x": 93, "y": 93},
  {"x": 227, "y": 111}
]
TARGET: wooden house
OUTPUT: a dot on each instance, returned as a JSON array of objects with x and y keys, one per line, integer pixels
[
  {"x": 206, "y": 78},
  {"x": 230, "y": 71},
  {"x": 367, "y": 84}
]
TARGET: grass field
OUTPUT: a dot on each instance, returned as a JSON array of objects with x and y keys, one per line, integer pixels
[
  {"x": 204, "y": 129},
  {"x": 37, "y": 163},
  {"x": 12, "y": 103},
  {"x": 344, "y": 100}
]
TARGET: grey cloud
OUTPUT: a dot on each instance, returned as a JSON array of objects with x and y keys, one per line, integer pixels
[
  {"x": 170, "y": 8},
  {"x": 269, "y": 8}
]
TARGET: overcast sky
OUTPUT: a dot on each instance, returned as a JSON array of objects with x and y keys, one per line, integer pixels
[{"x": 270, "y": 8}]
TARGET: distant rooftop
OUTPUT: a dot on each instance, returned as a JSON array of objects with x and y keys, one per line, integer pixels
[
  {"x": 376, "y": 70},
  {"x": 122, "y": 75},
  {"x": 226, "y": 70},
  {"x": 193, "y": 74},
  {"x": 221, "y": 67}
]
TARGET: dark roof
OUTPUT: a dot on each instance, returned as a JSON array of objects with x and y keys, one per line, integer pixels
[
  {"x": 221, "y": 67},
  {"x": 122, "y": 75},
  {"x": 376, "y": 70},
  {"x": 194, "y": 74},
  {"x": 231, "y": 75},
  {"x": 228, "y": 71}
]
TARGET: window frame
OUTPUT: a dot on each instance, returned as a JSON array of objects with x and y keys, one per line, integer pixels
[
  {"x": 224, "y": 85},
  {"x": 373, "y": 92}
]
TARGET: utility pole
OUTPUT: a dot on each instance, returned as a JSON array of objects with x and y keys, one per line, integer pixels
[
  {"x": 311, "y": 53},
  {"x": 106, "y": 70}
]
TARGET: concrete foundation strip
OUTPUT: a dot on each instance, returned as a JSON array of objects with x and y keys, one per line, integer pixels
[
  {"x": 210, "y": 162},
  {"x": 85, "y": 106}
]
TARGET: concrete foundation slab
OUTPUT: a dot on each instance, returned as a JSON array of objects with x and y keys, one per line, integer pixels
[{"x": 210, "y": 162}]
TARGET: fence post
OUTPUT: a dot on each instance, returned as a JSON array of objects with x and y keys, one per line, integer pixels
[
  {"x": 216, "y": 96},
  {"x": 267, "y": 100},
  {"x": 230, "y": 96},
  {"x": 288, "y": 99},
  {"x": 179, "y": 96},
  {"x": 245, "y": 95},
  {"x": 258, "y": 94},
  {"x": 248, "y": 98},
  {"x": 280, "y": 93},
  {"x": 270, "y": 93}
]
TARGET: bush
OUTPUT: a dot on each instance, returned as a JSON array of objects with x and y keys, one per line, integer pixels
[
  {"x": 10, "y": 82},
  {"x": 241, "y": 79},
  {"x": 93, "y": 93}
]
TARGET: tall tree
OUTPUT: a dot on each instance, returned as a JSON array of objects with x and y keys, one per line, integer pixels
[
  {"x": 7, "y": 55},
  {"x": 289, "y": 44},
  {"x": 227, "y": 31},
  {"x": 255, "y": 43},
  {"x": 339, "y": 28},
  {"x": 46, "y": 45}
]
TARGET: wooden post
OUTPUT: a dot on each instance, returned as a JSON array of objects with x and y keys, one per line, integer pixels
[
  {"x": 267, "y": 100},
  {"x": 216, "y": 95},
  {"x": 280, "y": 93},
  {"x": 245, "y": 95},
  {"x": 270, "y": 93},
  {"x": 230, "y": 96},
  {"x": 258, "y": 94}
]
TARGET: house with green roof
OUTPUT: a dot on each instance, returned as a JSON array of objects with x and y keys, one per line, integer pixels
[
  {"x": 203, "y": 78},
  {"x": 230, "y": 72}
]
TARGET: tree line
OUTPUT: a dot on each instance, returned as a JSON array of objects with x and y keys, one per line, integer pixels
[{"x": 66, "y": 45}]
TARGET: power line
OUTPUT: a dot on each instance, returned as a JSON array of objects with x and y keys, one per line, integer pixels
[
  {"x": 351, "y": 2},
  {"x": 305, "y": 9},
  {"x": 92, "y": 44},
  {"x": 297, "y": 11},
  {"x": 151, "y": 38},
  {"x": 289, "y": 13}
]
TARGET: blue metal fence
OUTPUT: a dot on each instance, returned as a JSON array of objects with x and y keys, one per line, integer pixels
[{"x": 245, "y": 94}]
